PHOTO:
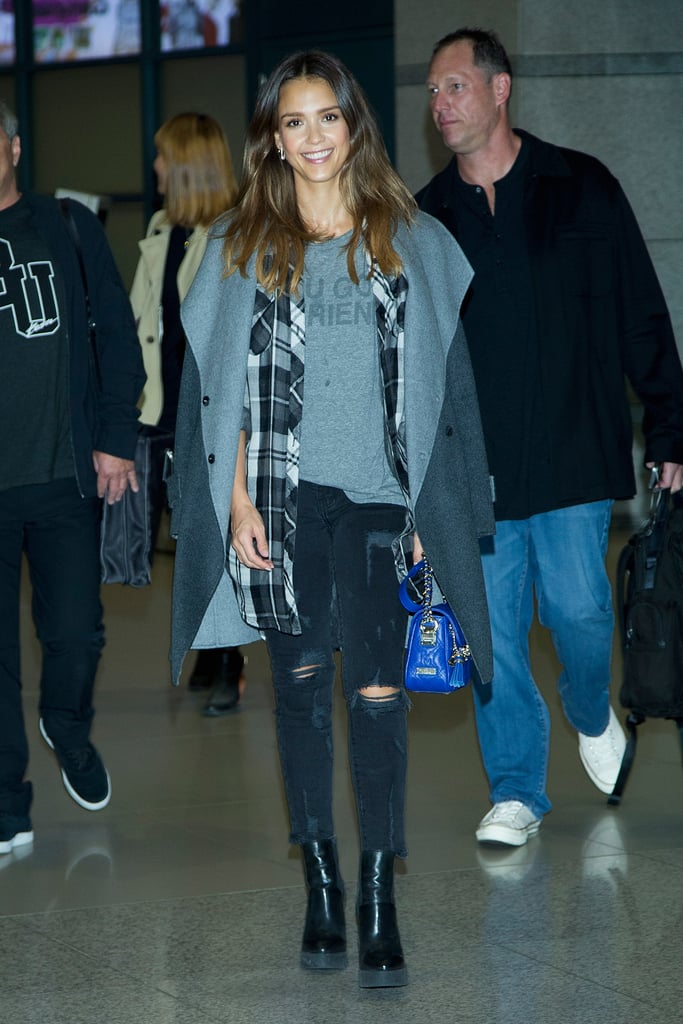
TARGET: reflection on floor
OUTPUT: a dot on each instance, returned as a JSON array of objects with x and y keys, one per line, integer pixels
[{"x": 181, "y": 901}]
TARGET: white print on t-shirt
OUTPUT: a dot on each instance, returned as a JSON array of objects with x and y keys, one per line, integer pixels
[{"x": 28, "y": 290}]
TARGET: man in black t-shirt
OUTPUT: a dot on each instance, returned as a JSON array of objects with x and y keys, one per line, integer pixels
[
  {"x": 67, "y": 441},
  {"x": 564, "y": 303}
]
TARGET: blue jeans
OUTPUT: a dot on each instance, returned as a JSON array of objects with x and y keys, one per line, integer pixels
[
  {"x": 560, "y": 556},
  {"x": 343, "y": 564}
]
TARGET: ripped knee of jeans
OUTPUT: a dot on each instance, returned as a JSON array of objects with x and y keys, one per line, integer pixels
[
  {"x": 312, "y": 666},
  {"x": 378, "y": 699},
  {"x": 315, "y": 667},
  {"x": 304, "y": 687},
  {"x": 304, "y": 672}
]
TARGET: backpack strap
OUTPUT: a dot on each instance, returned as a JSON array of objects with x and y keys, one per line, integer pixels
[
  {"x": 632, "y": 722},
  {"x": 625, "y": 567}
]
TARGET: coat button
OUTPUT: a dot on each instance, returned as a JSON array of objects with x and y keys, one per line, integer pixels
[
  {"x": 205, "y": 400},
  {"x": 212, "y": 458},
  {"x": 449, "y": 431},
  {"x": 150, "y": 339}
]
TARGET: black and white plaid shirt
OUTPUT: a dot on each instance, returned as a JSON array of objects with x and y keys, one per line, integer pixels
[{"x": 274, "y": 398}]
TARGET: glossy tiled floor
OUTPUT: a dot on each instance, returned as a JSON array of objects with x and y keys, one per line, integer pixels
[{"x": 181, "y": 902}]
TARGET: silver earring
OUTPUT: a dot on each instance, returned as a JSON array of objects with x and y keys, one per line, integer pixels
[{"x": 282, "y": 153}]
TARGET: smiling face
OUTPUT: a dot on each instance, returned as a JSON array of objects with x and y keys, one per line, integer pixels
[
  {"x": 312, "y": 132},
  {"x": 466, "y": 105}
]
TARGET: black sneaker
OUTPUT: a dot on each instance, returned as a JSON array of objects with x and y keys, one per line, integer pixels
[
  {"x": 15, "y": 830},
  {"x": 84, "y": 776}
]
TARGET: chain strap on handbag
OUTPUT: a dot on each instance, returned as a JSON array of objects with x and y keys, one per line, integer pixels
[{"x": 428, "y": 624}]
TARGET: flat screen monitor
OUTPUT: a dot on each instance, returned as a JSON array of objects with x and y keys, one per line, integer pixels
[
  {"x": 6, "y": 31},
  {"x": 194, "y": 24},
  {"x": 72, "y": 30}
]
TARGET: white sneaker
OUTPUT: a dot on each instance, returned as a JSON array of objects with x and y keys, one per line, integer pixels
[
  {"x": 602, "y": 755},
  {"x": 509, "y": 822}
]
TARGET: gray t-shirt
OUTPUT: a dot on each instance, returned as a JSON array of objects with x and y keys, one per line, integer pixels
[{"x": 342, "y": 426}]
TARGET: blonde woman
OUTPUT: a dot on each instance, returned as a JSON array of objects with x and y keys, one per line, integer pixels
[{"x": 195, "y": 177}]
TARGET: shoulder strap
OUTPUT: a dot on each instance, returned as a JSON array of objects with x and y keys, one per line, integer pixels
[
  {"x": 404, "y": 594},
  {"x": 633, "y": 720},
  {"x": 76, "y": 239}
]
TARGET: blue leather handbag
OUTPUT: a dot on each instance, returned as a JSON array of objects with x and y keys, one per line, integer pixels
[{"x": 438, "y": 658}]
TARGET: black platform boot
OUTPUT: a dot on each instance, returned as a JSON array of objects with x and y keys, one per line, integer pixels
[
  {"x": 379, "y": 944},
  {"x": 225, "y": 691},
  {"x": 324, "y": 943}
]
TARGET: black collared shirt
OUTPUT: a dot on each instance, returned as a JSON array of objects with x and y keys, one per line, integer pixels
[{"x": 500, "y": 324}]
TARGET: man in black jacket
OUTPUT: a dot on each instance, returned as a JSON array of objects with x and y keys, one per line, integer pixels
[
  {"x": 564, "y": 304},
  {"x": 69, "y": 424}
]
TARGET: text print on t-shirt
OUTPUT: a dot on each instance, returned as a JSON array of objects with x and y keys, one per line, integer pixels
[
  {"x": 338, "y": 303},
  {"x": 27, "y": 289}
]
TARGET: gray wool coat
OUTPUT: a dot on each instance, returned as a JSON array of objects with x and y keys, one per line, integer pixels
[{"x": 449, "y": 481}]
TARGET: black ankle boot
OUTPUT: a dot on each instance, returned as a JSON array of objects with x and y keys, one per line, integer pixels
[
  {"x": 324, "y": 943},
  {"x": 225, "y": 691},
  {"x": 379, "y": 943},
  {"x": 206, "y": 669}
]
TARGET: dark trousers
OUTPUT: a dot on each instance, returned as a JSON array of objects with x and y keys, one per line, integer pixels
[
  {"x": 343, "y": 569},
  {"x": 59, "y": 532}
]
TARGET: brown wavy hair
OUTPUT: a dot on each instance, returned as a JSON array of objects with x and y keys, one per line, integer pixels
[
  {"x": 266, "y": 220},
  {"x": 200, "y": 182}
]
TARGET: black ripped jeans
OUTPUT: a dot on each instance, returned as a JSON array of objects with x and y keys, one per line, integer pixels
[{"x": 343, "y": 564}]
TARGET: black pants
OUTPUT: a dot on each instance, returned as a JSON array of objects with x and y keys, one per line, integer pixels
[
  {"x": 343, "y": 561},
  {"x": 156, "y": 488},
  {"x": 59, "y": 531}
]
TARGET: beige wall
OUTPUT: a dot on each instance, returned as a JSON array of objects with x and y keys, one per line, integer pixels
[{"x": 95, "y": 148}]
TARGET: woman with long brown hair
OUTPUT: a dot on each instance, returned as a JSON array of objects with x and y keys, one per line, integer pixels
[{"x": 294, "y": 498}]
